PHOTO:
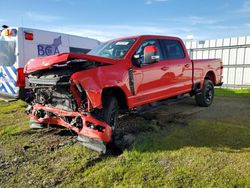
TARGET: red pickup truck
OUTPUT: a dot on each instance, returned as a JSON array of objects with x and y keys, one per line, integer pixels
[{"x": 86, "y": 92}]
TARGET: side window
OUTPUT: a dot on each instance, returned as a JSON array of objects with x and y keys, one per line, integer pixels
[
  {"x": 173, "y": 49},
  {"x": 140, "y": 50}
]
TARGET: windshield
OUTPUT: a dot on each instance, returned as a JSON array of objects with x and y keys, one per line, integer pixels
[
  {"x": 7, "y": 53},
  {"x": 113, "y": 49}
]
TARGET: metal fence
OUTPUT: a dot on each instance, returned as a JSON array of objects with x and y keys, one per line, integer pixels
[{"x": 235, "y": 54}]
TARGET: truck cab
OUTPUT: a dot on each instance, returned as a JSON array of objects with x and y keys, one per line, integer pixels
[{"x": 165, "y": 72}]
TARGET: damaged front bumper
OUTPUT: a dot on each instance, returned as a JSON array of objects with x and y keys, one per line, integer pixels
[{"x": 85, "y": 125}]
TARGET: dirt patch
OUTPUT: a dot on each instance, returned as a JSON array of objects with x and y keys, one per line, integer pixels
[
  {"x": 231, "y": 109},
  {"x": 129, "y": 127},
  {"x": 226, "y": 108},
  {"x": 58, "y": 137}
]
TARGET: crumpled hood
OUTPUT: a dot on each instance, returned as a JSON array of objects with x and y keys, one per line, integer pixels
[{"x": 41, "y": 63}]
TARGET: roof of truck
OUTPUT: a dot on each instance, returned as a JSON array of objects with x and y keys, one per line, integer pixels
[{"x": 147, "y": 36}]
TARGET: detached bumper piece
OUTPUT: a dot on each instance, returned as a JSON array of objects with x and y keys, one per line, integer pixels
[
  {"x": 92, "y": 132},
  {"x": 93, "y": 144}
]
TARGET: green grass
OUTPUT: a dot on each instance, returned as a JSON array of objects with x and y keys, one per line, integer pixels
[
  {"x": 200, "y": 153},
  {"x": 232, "y": 92}
]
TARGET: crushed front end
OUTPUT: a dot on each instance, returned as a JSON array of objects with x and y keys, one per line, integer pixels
[{"x": 55, "y": 99}]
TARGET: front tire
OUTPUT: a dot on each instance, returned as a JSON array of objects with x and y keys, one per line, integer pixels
[
  {"x": 110, "y": 111},
  {"x": 206, "y": 96}
]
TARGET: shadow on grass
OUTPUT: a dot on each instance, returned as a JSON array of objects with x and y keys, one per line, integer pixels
[{"x": 215, "y": 135}]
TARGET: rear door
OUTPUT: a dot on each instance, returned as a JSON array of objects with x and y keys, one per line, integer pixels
[
  {"x": 178, "y": 71},
  {"x": 8, "y": 62}
]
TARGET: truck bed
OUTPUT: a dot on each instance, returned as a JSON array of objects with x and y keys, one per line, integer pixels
[{"x": 203, "y": 66}]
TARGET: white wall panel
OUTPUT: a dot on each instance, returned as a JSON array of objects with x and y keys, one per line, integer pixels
[
  {"x": 205, "y": 54},
  {"x": 242, "y": 41},
  {"x": 246, "y": 79},
  {"x": 234, "y": 41},
  {"x": 232, "y": 56},
  {"x": 194, "y": 45},
  {"x": 240, "y": 56},
  {"x": 248, "y": 40},
  {"x": 226, "y": 42},
  {"x": 231, "y": 75},
  {"x": 235, "y": 54},
  {"x": 212, "y": 43},
  {"x": 219, "y": 42},
  {"x": 247, "y": 56},
  {"x": 200, "y": 45},
  {"x": 224, "y": 73},
  {"x": 225, "y": 57},
  {"x": 206, "y": 44},
  {"x": 199, "y": 55},
  {"x": 218, "y": 54},
  {"x": 194, "y": 55},
  {"x": 238, "y": 76},
  {"x": 212, "y": 54}
]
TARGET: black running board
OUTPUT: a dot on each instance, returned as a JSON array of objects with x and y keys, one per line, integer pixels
[{"x": 155, "y": 105}]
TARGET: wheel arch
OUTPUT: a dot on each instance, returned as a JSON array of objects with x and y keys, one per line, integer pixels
[
  {"x": 211, "y": 76},
  {"x": 118, "y": 93}
]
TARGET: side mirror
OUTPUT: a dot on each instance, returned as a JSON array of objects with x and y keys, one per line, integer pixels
[{"x": 150, "y": 54}]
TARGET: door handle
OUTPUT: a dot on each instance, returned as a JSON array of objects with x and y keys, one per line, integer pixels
[
  {"x": 164, "y": 68},
  {"x": 187, "y": 65}
]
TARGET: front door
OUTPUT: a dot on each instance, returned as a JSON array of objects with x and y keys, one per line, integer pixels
[{"x": 148, "y": 78}]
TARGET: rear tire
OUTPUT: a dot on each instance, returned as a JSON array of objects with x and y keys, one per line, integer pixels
[{"x": 206, "y": 96}]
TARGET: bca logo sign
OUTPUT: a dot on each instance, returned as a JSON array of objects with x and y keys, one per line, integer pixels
[{"x": 49, "y": 49}]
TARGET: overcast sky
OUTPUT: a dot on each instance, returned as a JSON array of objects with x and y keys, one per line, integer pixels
[{"x": 107, "y": 19}]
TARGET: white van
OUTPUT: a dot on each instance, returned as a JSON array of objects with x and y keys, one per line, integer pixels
[{"x": 18, "y": 45}]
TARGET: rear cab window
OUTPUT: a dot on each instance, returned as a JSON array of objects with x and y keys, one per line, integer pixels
[{"x": 173, "y": 49}]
